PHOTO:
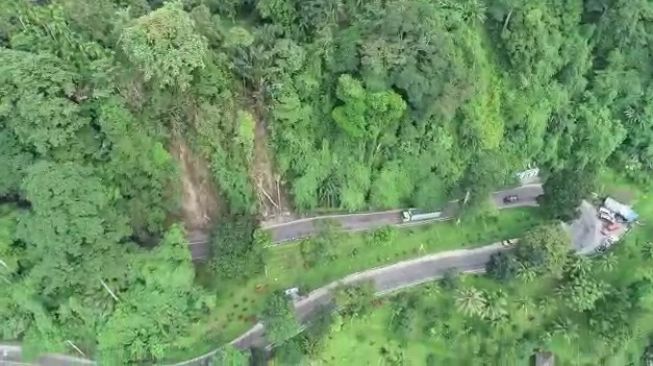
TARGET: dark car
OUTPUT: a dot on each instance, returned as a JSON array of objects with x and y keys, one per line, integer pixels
[{"x": 511, "y": 199}]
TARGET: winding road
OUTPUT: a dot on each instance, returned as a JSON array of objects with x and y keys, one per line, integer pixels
[
  {"x": 386, "y": 279},
  {"x": 302, "y": 228}
]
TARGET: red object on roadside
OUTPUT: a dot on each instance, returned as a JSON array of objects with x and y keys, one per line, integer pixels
[{"x": 613, "y": 227}]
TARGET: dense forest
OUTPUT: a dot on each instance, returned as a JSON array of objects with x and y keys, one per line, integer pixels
[{"x": 346, "y": 105}]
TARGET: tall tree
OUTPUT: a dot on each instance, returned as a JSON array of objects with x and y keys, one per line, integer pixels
[
  {"x": 471, "y": 301},
  {"x": 279, "y": 317},
  {"x": 37, "y": 99},
  {"x": 154, "y": 313},
  {"x": 165, "y": 46},
  {"x": 564, "y": 191},
  {"x": 544, "y": 248}
]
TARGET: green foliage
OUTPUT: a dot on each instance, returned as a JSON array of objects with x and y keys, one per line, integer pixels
[
  {"x": 15, "y": 160},
  {"x": 230, "y": 356},
  {"x": 238, "y": 251},
  {"x": 471, "y": 301},
  {"x": 279, "y": 317},
  {"x": 290, "y": 352},
  {"x": 316, "y": 334},
  {"x": 145, "y": 330},
  {"x": 503, "y": 267},
  {"x": 71, "y": 211},
  {"x": 402, "y": 321},
  {"x": 364, "y": 113},
  {"x": 355, "y": 300},
  {"x": 579, "y": 286},
  {"x": 138, "y": 165},
  {"x": 9, "y": 252},
  {"x": 165, "y": 46},
  {"x": 564, "y": 191},
  {"x": 544, "y": 249},
  {"x": 376, "y": 104},
  {"x": 38, "y": 99},
  {"x": 246, "y": 127}
]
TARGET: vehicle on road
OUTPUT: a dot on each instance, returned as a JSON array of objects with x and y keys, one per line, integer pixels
[
  {"x": 511, "y": 198},
  {"x": 413, "y": 214}
]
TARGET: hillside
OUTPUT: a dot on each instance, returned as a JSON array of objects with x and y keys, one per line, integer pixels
[{"x": 132, "y": 130}]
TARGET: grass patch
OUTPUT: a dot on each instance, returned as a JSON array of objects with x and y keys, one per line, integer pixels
[
  {"x": 448, "y": 337},
  {"x": 349, "y": 253}
]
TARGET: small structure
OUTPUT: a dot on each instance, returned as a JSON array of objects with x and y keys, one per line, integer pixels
[
  {"x": 528, "y": 176},
  {"x": 544, "y": 359},
  {"x": 618, "y": 208},
  {"x": 292, "y": 293}
]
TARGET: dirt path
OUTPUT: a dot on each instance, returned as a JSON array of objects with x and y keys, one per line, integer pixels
[{"x": 199, "y": 202}]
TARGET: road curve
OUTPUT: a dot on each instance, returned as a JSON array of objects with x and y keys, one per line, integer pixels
[{"x": 386, "y": 279}]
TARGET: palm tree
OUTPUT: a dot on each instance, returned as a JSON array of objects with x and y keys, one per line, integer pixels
[
  {"x": 544, "y": 305},
  {"x": 565, "y": 328},
  {"x": 647, "y": 250},
  {"x": 579, "y": 266},
  {"x": 608, "y": 262},
  {"x": 526, "y": 273},
  {"x": 496, "y": 306},
  {"x": 524, "y": 303},
  {"x": 474, "y": 11},
  {"x": 471, "y": 301}
]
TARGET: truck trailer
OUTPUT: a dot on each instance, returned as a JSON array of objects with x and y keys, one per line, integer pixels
[{"x": 413, "y": 214}]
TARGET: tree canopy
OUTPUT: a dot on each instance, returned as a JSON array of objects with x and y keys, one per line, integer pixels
[{"x": 306, "y": 105}]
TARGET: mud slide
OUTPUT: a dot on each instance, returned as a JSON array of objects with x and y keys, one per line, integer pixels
[{"x": 199, "y": 201}]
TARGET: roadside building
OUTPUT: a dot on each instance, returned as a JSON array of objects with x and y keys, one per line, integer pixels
[
  {"x": 544, "y": 359},
  {"x": 620, "y": 209}
]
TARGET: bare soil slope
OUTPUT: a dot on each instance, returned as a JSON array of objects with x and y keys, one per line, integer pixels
[{"x": 200, "y": 203}]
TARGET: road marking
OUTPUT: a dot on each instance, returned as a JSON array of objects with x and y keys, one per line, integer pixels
[{"x": 197, "y": 242}]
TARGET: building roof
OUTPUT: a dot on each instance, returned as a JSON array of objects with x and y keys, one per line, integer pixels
[
  {"x": 544, "y": 359},
  {"x": 619, "y": 208}
]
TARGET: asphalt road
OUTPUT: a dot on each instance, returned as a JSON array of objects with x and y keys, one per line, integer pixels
[
  {"x": 198, "y": 243},
  {"x": 350, "y": 222},
  {"x": 385, "y": 279},
  {"x": 527, "y": 196},
  {"x": 367, "y": 221},
  {"x": 303, "y": 228}
]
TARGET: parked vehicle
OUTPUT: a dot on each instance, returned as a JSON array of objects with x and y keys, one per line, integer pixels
[
  {"x": 413, "y": 214},
  {"x": 511, "y": 199},
  {"x": 606, "y": 215}
]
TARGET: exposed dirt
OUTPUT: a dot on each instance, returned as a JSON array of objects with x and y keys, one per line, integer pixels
[
  {"x": 200, "y": 204},
  {"x": 269, "y": 186}
]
